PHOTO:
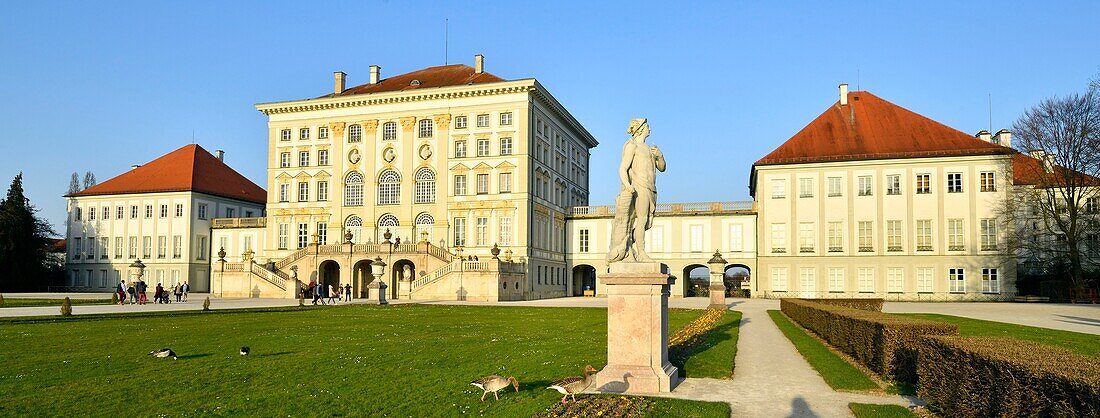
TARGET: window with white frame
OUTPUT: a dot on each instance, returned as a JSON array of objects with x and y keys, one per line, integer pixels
[
  {"x": 504, "y": 223},
  {"x": 425, "y": 186},
  {"x": 806, "y": 237},
  {"x": 284, "y": 235},
  {"x": 483, "y": 121},
  {"x": 118, "y": 247},
  {"x": 779, "y": 238},
  {"x": 991, "y": 280},
  {"x": 460, "y": 185},
  {"x": 303, "y": 192},
  {"x": 76, "y": 214},
  {"x": 179, "y": 210},
  {"x": 353, "y": 189},
  {"x": 389, "y": 188},
  {"x": 425, "y": 128},
  {"x": 866, "y": 236},
  {"x": 505, "y": 118},
  {"x": 582, "y": 240},
  {"x": 134, "y": 247},
  {"x": 389, "y": 131},
  {"x": 177, "y": 246},
  {"x": 954, "y": 182},
  {"x": 481, "y": 228},
  {"x": 202, "y": 211},
  {"x": 737, "y": 237},
  {"x": 201, "y": 251},
  {"x": 322, "y": 157},
  {"x": 836, "y": 236},
  {"x": 460, "y": 122},
  {"x": 303, "y": 134},
  {"x": 835, "y": 187},
  {"x": 895, "y": 279},
  {"x": 285, "y": 135},
  {"x": 865, "y": 185},
  {"x": 322, "y": 191},
  {"x": 505, "y": 185},
  {"x": 695, "y": 233},
  {"x": 779, "y": 188},
  {"x": 303, "y": 159},
  {"x": 482, "y": 147},
  {"x": 162, "y": 246},
  {"x": 1091, "y": 205},
  {"x": 460, "y": 149},
  {"x": 91, "y": 248},
  {"x": 106, "y": 213},
  {"x": 506, "y": 146},
  {"x": 230, "y": 212},
  {"x": 989, "y": 181},
  {"x": 924, "y": 234},
  {"x": 460, "y": 232},
  {"x": 354, "y": 225},
  {"x": 656, "y": 239},
  {"x": 133, "y": 212},
  {"x": 893, "y": 235},
  {"x": 893, "y": 184},
  {"x": 956, "y": 280},
  {"x": 322, "y": 132},
  {"x": 322, "y": 233},
  {"x": 866, "y": 280},
  {"x": 118, "y": 212},
  {"x": 836, "y": 279},
  {"x": 924, "y": 183},
  {"x": 807, "y": 279},
  {"x": 163, "y": 211},
  {"x": 482, "y": 184},
  {"x": 989, "y": 234},
  {"x": 284, "y": 192},
  {"x": 955, "y": 235},
  {"x": 148, "y": 211},
  {"x": 355, "y": 133},
  {"x": 805, "y": 187},
  {"x": 284, "y": 160},
  {"x": 779, "y": 279},
  {"x": 924, "y": 279},
  {"x": 303, "y": 235}
]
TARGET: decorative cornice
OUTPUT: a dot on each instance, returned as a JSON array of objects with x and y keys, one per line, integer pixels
[{"x": 403, "y": 97}]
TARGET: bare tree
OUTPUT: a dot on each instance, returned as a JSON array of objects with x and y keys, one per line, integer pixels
[
  {"x": 74, "y": 184},
  {"x": 89, "y": 179}
]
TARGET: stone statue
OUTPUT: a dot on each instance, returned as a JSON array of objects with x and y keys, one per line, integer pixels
[
  {"x": 637, "y": 200},
  {"x": 406, "y": 273}
]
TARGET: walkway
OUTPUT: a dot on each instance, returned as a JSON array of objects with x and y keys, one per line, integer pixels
[{"x": 1066, "y": 317}]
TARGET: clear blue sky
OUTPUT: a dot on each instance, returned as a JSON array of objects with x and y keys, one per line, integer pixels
[{"x": 99, "y": 87}]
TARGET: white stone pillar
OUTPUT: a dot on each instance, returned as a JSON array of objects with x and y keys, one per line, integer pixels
[{"x": 717, "y": 288}]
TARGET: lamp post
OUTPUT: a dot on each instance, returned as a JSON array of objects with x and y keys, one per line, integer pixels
[{"x": 377, "y": 268}]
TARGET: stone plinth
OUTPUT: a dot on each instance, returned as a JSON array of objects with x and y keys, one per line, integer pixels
[
  {"x": 717, "y": 288},
  {"x": 637, "y": 331},
  {"x": 717, "y": 295}
]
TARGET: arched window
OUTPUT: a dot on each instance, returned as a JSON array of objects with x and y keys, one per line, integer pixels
[
  {"x": 424, "y": 223},
  {"x": 354, "y": 225},
  {"x": 387, "y": 222},
  {"x": 355, "y": 133},
  {"x": 389, "y": 188},
  {"x": 353, "y": 189},
  {"x": 426, "y": 126},
  {"x": 425, "y": 186},
  {"x": 389, "y": 131}
]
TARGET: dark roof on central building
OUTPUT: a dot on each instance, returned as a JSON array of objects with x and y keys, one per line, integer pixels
[{"x": 441, "y": 76}]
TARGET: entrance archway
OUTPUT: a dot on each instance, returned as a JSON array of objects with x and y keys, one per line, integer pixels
[
  {"x": 584, "y": 278},
  {"x": 330, "y": 274},
  {"x": 737, "y": 278},
  {"x": 360, "y": 278},
  {"x": 697, "y": 277},
  {"x": 402, "y": 273}
]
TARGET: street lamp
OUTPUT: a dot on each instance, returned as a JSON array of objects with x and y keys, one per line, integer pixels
[{"x": 377, "y": 268}]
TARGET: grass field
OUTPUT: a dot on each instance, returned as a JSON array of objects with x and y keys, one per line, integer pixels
[
  {"x": 837, "y": 372},
  {"x": 866, "y": 410},
  {"x": 714, "y": 356},
  {"x": 23, "y": 303},
  {"x": 410, "y": 360},
  {"x": 1088, "y": 344}
]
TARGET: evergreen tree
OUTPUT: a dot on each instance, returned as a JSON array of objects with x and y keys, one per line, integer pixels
[{"x": 23, "y": 240}]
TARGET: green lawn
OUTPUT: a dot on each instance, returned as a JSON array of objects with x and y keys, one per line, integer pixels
[
  {"x": 408, "y": 360},
  {"x": 713, "y": 357},
  {"x": 1088, "y": 344},
  {"x": 23, "y": 303},
  {"x": 866, "y": 410},
  {"x": 837, "y": 372}
]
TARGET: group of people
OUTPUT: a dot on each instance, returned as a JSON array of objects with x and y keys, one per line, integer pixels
[
  {"x": 135, "y": 293},
  {"x": 322, "y": 292}
]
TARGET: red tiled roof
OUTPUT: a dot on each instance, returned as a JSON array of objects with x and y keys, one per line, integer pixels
[
  {"x": 1028, "y": 170},
  {"x": 870, "y": 128},
  {"x": 441, "y": 76},
  {"x": 190, "y": 168},
  {"x": 57, "y": 246}
]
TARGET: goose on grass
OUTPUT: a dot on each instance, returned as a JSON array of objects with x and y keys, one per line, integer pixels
[{"x": 495, "y": 383}]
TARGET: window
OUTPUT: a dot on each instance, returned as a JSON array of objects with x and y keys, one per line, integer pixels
[
  {"x": 118, "y": 212},
  {"x": 779, "y": 189},
  {"x": 657, "y": 240},
  {"x": 836, "y": 237},
  {"x": 924, "y": 235},
  {"x": 162, "y": 246},
  {"x": 355, "y": 133},
  {"x": 954, "y": 182},
  {"x": 893, "y": 235},
  {"x": 737, "y": 237},
  {"x": 866, "y": 236},
  {"x": 425, "y": 186},
  {"x": 956, "y": 280},
  {"x": 866, "y": 279},
  {"x": 864, "y": 185},
  {"x": 179, "y": 210},
  {"x": 91, "y": 248},
  {"x": 955, "y": 235},
  {"x": 836, "y": 279},
  {"x": 505, "y": 184},
  {"x": 303, "y": 159},
  {"x": 389, "y": 131},
  {"x": 389, "y": 188},
  {"x": 989, "y": 181},
  {"x": 482, "y": 121},
  {"x": 354, "y": 225},
  {"x": 202, "y": 249},
  {"x": 834, "y": 187},
  {"x": 134, "y": 247},
  {"x": 1090, "y": 205},
  {"x": 505, "y": 118},
  {"x": 133, "y": 212},
  {"x": 779, "y": 238},
  {"x": 924, "y": 280},
  {"x": 506, "y": 146},
  {"x": 303, "y": 235},
  {"x": 425, "y": 127},
  {"x": 807, "y": 279},
  {"x": 482, "y": 147},
  {"x": 230, "y": 212},
  {"x": 118, "y": 247},
  {"x": 303, "y": 134},
  {"x": 284, "y": 235},
  {"x": 284, "y": 192},
  {"x": 202, "y": 211},
  {"x": 696, "y": 236},
  {"x": 148, "y": 211},
  {"x": 893, "y": 184},
  {"x": 285, "y": 135},
  {"x": 460, "y": 185},
  {"x": 460, "y": 122},
  {"x": 322, "y": 132},
  {"x": 481, "y": 226},
  {"x": 353, "y": 190},
  {"x": 460, "y": 149},
  {"x": 91, "y": 214},
  {"x": 177, "y": 246},
  {"x": 924, "y": 184},
  {"x": 895, "y": 279},
  {"x": 460, "y": 232},
  {"x": 989, "y": 234},
  {"x": 806, "y": 237},
  {"x": 303, "y": 192},
  {"x": 322, "y": 233},
  {"x": 76, "y": 214},
  {"x": 805, "y": 187},
  {"x": 991, "y": 282},
  {"x": 248, "y": 213},
  {"x": 582, "y": 240},
  {"x": 482, "y": 184},
  {"x": 284, "y": 160},
  {"x": 505, "y": 224},
  {"x": 106, "y": 213},
  {"x": 146, "y": 247},
  {"x": 779, "y": 279},
  {"x": 322, "y": 191}
]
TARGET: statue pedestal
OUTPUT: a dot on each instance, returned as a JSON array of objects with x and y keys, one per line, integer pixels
[
  {"x": 637, "y": 331},
  {"x": 717, "y": 296}
]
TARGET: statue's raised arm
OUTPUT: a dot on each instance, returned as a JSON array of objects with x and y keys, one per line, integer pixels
[{"x": 637, "y": 199}]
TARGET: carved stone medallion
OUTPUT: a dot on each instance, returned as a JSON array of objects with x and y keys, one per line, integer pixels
[
  {"x": 389, "y": 155},
  {"x": 353, "y": 156},
  {"x": 425, "y": 152}
]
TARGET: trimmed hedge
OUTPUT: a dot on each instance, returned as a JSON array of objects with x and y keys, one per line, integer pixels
[
  {"x": 886, "y": 344},
  {"x": 862, "y": 304},
  {"x": 1003, "y": 376}
]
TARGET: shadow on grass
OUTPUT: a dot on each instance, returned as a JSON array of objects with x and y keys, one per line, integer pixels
[
  {"x": 281, "y": 353},
  {"x": 194, "y": 356}
]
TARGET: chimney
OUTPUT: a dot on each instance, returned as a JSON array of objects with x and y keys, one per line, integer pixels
[
  {"x": 479, "y": 64},
  {"x": 374, "y": 74},
  {"x": 843, "y": 94},
  {"x": 220, "y": 154},
  {"x": 135, "y": 166},
  {"x": 984, "y": 135},
  {"x": 340, "y": 78},
  {"x": 1044, "y": 157},
  {"x": 1003, "y": 138}
]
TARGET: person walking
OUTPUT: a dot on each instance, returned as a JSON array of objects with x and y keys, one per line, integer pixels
[
  {"x": 159, "y": 293},
  {"x": 331, "y": 295},
  {"x": 120, "y": 290},
  {"x": 178, "y": 291},
  {"x": 316, "y": 290},
  {"x": 347, "y": 292},
  {"x": 132, "y": 290},
  {"x": 186, "y": 290},
  {"x": 142, "y": 288}
]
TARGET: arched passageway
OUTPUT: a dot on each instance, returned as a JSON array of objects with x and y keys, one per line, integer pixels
[
  {"x": 330, "y": 275},
  {"x": 697, "y": 278},
  {"x": 401, "y": 273},
  {"x": 360, "y": 278},
  {"x": 737, "y": 279},
  {"x": 584, "y": 278}
]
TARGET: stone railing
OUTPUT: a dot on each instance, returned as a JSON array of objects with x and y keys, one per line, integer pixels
[
  {"x": 472, "y": 266},
  {"x": 255, "y": 222},
  {"x": 331, "y": 249},
  {"x": 668, "y": 208},
  {"x": 278, "y": 279}
]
